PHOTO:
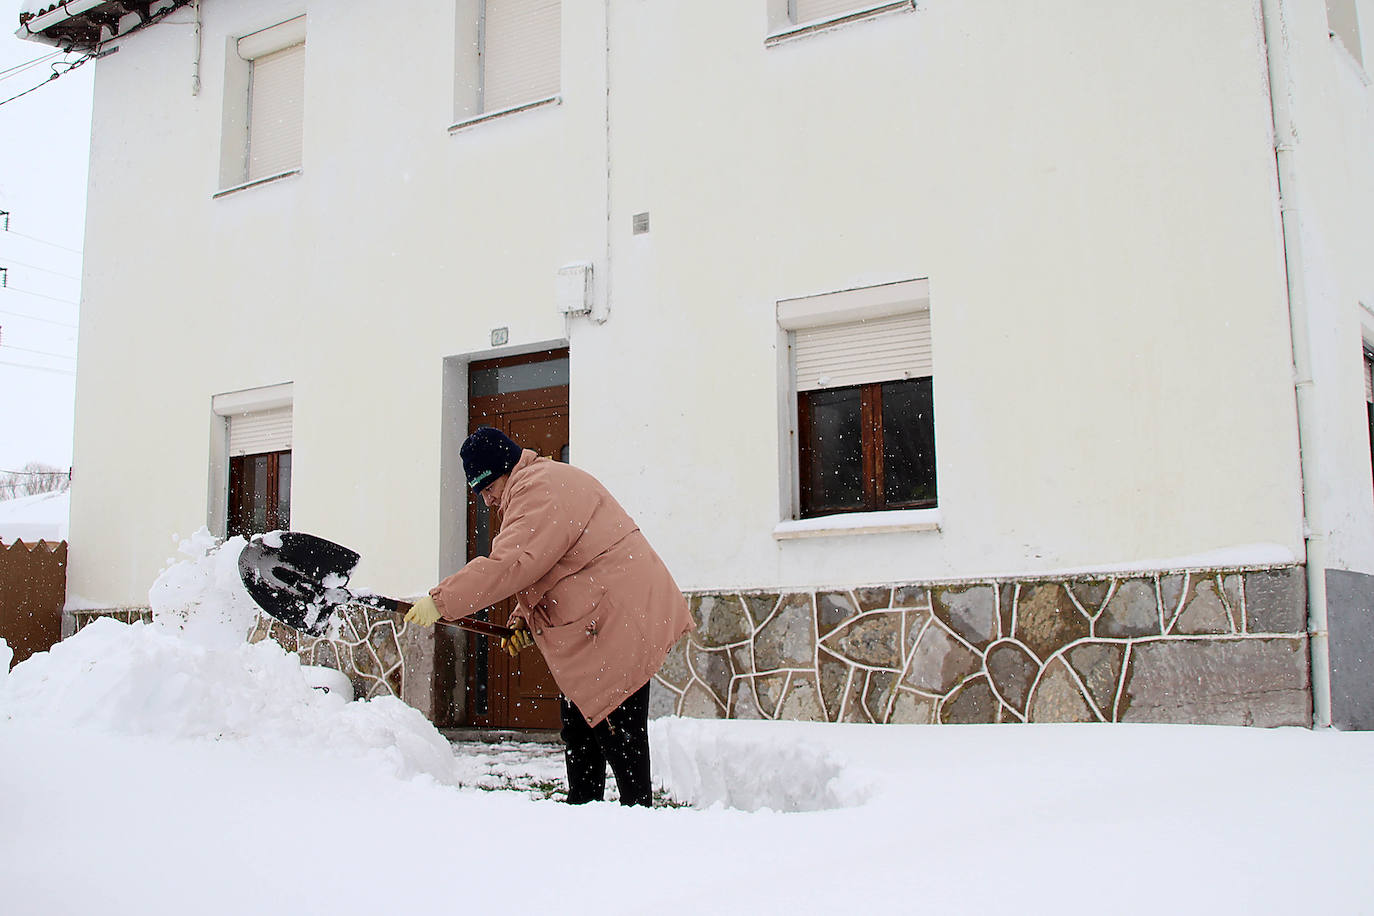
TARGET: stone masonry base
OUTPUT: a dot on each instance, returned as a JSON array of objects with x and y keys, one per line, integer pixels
[
  {"x": 1220, "y": 646},
  {"x": 1210, "y": 646}
]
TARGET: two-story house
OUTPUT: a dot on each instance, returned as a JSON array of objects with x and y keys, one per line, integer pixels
[{"x": 967, "y": 361}]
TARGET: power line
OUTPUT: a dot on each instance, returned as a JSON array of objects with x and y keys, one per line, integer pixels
[
  {"x": 28, "y": 292},
  {"x": 52, "y": 76},
  {"x": 36, "y": 267},
  {"x": 27, "y": 91},
  {"x": 53, "y": 473},
  {"x": 5, "y": 362},
  {"x": 34, "y": 238},
  {"x": 29, "y": 63},
  {"x": 38, "y": 352},
  {"x": 60, "y": 324},
  {"x": 18, "y": 69}
]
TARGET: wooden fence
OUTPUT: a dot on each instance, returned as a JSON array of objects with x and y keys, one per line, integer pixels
[{"x": 33, "y": 589}]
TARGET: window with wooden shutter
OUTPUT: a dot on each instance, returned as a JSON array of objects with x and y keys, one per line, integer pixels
[
  {"x": 521, "y": 52},
  {"x": 259, "y": 471},
  {"x": 862, "y": 378},
  {"x": 276, "y": 107}
]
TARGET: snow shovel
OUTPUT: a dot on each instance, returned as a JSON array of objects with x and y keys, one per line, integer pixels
[{"x": 302, "y": 580}]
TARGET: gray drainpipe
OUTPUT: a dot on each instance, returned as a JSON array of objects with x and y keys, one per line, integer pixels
[{"x": 1276, "y": 40}]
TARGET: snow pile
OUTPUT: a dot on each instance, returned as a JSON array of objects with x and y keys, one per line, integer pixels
[
  {"x": 35, "y": 518},
  {"x": 202, "y": 596},
  {"x": 750, "y": 766},
  {"x": 191, "y": 675},
  {"x": 148, "y": 680},
  {"x": 6, "y": 656}
]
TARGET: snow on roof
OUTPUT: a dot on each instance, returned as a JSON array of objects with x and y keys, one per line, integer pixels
[
  {"x": 85, "y": 24},
  {"x": 29, "y": 8},
  {"x": 35, "y": 518}
]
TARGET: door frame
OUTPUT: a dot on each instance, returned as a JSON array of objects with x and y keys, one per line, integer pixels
[{"x": 453, "y": 503}]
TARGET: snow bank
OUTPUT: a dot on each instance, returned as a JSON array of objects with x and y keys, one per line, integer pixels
[
  {"x": 190, "y": 675},
  {"x": 202, "y": 596},
  {"x": 751, "y": 766},
  {"x": 35, "y": 518},
  {"x": 6, "y": 656},
  {"x": 149, "y": 680}
]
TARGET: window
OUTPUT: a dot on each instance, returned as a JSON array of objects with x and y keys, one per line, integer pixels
[
  {"x": 259, "y": 472},
  {"x": 259, "y": 493},
  {"x": 792, "y": 18},
  {"x": 862, "y": 378},
  {"x": 1369, "y": 397},
  {"x": 867, "y": 448},
  {"x": 509, "y": 56},
  {"x": 276, "y": 90},
  {"x": 800, "y": 11},
  {"x": 264, "y": 106},
  {"x": 1343, "y": 21}
]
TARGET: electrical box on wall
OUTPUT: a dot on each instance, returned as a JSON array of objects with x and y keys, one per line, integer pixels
[{"x": 575, "y": 288}]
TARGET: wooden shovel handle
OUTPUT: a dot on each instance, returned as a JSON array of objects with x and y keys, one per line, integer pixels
[{"x": 470, "y": 624}]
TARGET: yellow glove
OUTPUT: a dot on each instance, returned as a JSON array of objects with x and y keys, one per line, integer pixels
[
  {"x": 517, "y": 641},
  {"x": 424, "y": 612}
]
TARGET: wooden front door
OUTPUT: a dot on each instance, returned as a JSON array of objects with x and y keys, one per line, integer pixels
[{"x": 527, "y": 399}]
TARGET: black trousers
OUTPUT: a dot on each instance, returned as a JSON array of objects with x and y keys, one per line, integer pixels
[{"x": 621, "y": 739}]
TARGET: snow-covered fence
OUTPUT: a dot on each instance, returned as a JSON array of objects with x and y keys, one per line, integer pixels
[{"x": 33, "y": 588}]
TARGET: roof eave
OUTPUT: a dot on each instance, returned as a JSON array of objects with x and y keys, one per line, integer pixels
[
  {"x": 68, "y": 26},
  {"x": 83, "y": 25}
]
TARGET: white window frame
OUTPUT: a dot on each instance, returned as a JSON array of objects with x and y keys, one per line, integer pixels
[
  {"x": 842, "y": 307},
  {"x": 223, "y": 407},
  {"x": 239, "y": 54},
  {"x": 469, "y": 88}
]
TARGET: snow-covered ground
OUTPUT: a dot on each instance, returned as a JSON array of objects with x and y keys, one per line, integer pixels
[
  {"x": 169, "y": 769},
  {"x": 35, "y": 518}
]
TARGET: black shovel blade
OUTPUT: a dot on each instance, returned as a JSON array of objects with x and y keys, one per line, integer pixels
[{"x": 297, "y": 578}]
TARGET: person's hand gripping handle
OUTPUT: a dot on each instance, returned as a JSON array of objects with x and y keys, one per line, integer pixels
[
  {"x": 423, "y": 612},
  {"x": 518, "y": 641}
]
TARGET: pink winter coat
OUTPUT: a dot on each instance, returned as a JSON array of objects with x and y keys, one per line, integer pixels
[{"x": 600, "y": 604}]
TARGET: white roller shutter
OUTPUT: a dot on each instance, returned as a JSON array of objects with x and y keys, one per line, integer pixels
[
  {"x": 276, "y": 106},
  {"x": 876, "y": 350},
  {"x": 263, "y": 431},
  {"x": 810, "y": 10},
  {"x": 521, "y": 52}
]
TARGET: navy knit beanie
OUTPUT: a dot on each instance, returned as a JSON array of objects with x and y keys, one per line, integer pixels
[{"x": 487, "y": 454}]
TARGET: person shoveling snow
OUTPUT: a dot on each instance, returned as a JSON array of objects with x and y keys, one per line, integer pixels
[{"x": 591, "y": 594}]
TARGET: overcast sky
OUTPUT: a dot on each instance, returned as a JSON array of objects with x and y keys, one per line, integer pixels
[{"x": 44, "y": 145}]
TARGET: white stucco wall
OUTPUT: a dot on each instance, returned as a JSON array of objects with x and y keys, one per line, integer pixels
[
  {"x": 1334, "y": 146},
  {"x": 1088, "y": 187}
]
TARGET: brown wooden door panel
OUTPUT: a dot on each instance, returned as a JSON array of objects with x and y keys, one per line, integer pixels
[
  {"x": 504, "y": 692},
  {"x": 533, "y": 694}
]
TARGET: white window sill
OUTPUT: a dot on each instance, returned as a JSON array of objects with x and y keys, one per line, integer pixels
[
  {"x": 820, "y": 25},
  {"x": 895, "y": 521},
  {"x": 290, "y": 173},
  {"x": 504, "y": 112}
]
